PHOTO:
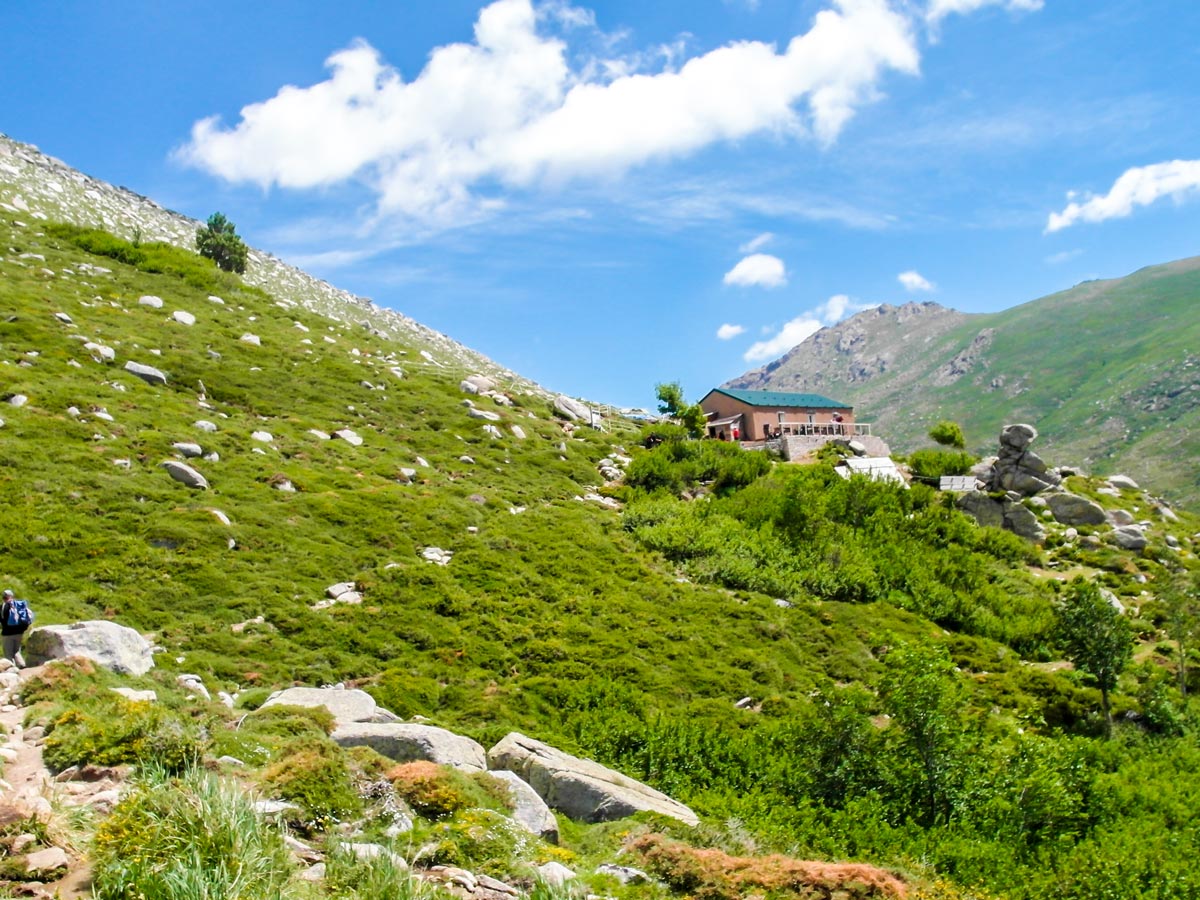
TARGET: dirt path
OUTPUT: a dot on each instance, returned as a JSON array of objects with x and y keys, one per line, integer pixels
[{"x": 29, "y": 790}]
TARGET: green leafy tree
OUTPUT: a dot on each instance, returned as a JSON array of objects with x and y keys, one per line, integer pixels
[
  {"x": 219, "y": 241},
  {"x": 948, "y": 434},
  {"x": 922, "y": 694},
  {"x": 671, "y": 403},
  {"x": 1097, "y": 639},
  {"x": 1181, "y": 600}
]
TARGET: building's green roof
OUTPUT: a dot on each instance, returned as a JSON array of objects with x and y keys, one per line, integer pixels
[{"x": 781, "y": 398}]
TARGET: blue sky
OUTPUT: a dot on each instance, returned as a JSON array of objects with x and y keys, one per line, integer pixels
[{"x": 607, "y": 195}]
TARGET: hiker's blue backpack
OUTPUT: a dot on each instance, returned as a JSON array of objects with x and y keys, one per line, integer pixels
[{"x": 19, "y": 614}]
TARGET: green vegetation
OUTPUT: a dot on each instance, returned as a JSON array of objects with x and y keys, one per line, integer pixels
[
  {"x": 948, "y": 434},
  {"x": 218, "y": 240},
  {"x": 1097, "y": 638},
  {"x": 908, "y": 708},
  {"x": 671, "y": 403}
]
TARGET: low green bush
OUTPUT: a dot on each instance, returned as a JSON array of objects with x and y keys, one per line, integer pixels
[
  {"x": 194, "y": 837},
  {"x": 313, "y": 774}
]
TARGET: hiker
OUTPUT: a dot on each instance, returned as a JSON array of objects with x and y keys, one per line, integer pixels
[{"x": 15, "y": 619}]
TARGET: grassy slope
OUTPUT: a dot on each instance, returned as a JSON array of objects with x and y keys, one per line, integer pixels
[{"x": 556, "y": 592}]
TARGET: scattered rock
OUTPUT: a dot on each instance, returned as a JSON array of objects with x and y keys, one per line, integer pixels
[
  {"x": 188, "y": 450},
  {"x": 148, "y": 374},
  {"x": 263, "y": 437},
  {"x": 18, "y": 400},
  {"x": 183, "y": 318},
  {"x": 554, "y": 874},
  {"x": 185, "y": 474},
  {"x": 253, "y": 339},
  {"x": 1129, "y": 537},
  {"x": 100, "y": 353},
  {"x": 437, "y": 555},
  {"x": 1123, "y": 482},
  {"x": 573, "y": 409},
  {"x": 43, "y": 865},
  {"x": 193, "y": 684},
  {"x": 135, "y": 695},
  {"x": 581, "y": 788},
  {"x": 623, "y": 874},
  {"x": 346, "y": 706},
  {"x": 151, "y": 301},
  {"x": 1070, "y": 509},
  {"x": 349, "y": 437},
  {"x": 108, "y": 644},
  {"x": 205, "y": 425},
  {"x": 405, "y": 742}
]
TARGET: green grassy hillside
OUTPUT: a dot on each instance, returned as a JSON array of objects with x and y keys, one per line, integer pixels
[
  {"x": 832, "y": 608},
  {"x": 1107, "y": 371}
]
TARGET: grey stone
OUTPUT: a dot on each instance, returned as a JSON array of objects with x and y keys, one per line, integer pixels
[
  {"x": 1120, "y": 517},
  {"x": 554, "y": 874},
  {"x": 263, "y": 437},
  {"x": 1129, "y": 537},
  {"x": 189, "y": 450},
  {"x": 135, "y": 695},
  {"x": 405, "y": 742},
  {"x": 185, "y": 474},
  {"x": 484, "y": 414},
  {"x": 1123, "y": 481},
  {"x": 252, "y": 339},
  {"x": 530, "y": 810},
  {"x": 581, "y": 788},
  {"x": 100, "y": 353},
  {"x": 1018, "y": 437},
  {"x": 349, "y": 437},
  {"x": 151, "y": 301},
  {"x": 183, "y": 318},
  {"x": 193, "y": 684},
  {"x": 346, "y": 706},
  {"x": 623, "y": 874},
  {"x": 108, "y": 644},
  {"x": 205, "y": 425},
  {"x": 1023, "y": 522},
  {"x": 982, "y": 508},
  {"x": 46, "y": 862},
  {"x": 572, "y": 409},
  {"x": 1070, "y": 509},
  {"x": 148, "y": 374}
]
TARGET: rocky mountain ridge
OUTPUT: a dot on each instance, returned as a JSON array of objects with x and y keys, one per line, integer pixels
[
  {"x": 40, "y": 187},
  {"x": 1108, "y": 371}
]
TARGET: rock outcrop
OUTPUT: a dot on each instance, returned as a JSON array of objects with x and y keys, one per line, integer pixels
[
  {"x": 405, "y": 742},
  {"x": 108, "y": 644},
  {"x": 581, "y": 788},
  {"x": 346, "y": 707},
  {"x": 1018, "y": 468}
]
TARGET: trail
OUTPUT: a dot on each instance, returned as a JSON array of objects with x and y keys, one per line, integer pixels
[{"x": 30, "y": 790}]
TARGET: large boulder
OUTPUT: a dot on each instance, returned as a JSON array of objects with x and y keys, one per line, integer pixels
[
  {"x": 572, "y": 409},
  {"x": 1018, "y": 468},
  {"x": 406, "y": 742},
  {"x": 982, "y": 508},
  {"x": 581, "y": 788},
  {"x": 529, "y": 809},
  {"x": 1070, "y": 509},
  {"x": 108, "y": 644},
  {"x": 1129, "y": 537},
  {"x": 346, "y": 707},
  {"x": 1022, "y": 522}
]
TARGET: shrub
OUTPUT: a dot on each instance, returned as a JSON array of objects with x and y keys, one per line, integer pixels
[
  {"x": 484, "y": 841},
  {"x": 933, "y": 464},
  {"x": 433, "y": 791},
  {"x": 122, "y": 731},
  {"x": 312, "y": 773},
  {"x": 193, "y": 837},
  {"x": 290, "y": 721}
]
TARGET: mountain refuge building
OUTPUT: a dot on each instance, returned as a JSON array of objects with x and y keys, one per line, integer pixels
[{"x": 735, "y": 414}]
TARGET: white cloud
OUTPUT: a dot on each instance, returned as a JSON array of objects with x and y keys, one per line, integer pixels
[
  {"x": 727, "y": 332},
  {"x": 939, "y": 9},
  {"x": 1063, "y": 256},
  {"x": 758, "y": 269},
  {"x": 913, "y": 281},
  {"x": 507, "y": 111},
  {"x": 1139, "y": 186},
  {"x": 804, "y": 326},
  {"x": 756, "y": 243}
]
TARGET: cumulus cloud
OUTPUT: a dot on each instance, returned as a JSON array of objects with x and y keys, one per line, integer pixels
[
  {"x": 727, "y": 332},
  {"x": 804, "y": 326},
  {"x": 1139, "y": 186},
  {"x": 939, "y": 9},
  {"x": 758, "y": 270},
  {"x": 755, "y": 244},
  {"x": 913, "y": 281},
  {"x": 507, "y": 110}
]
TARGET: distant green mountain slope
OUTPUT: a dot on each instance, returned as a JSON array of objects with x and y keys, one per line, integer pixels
[{"x": 1108, "y": 371}]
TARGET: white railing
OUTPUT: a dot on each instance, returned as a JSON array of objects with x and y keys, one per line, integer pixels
[{"x": 826, "y": 429}]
